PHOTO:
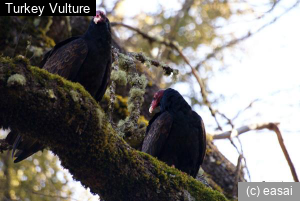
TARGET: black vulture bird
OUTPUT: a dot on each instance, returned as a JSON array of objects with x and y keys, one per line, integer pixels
[
  {"x": 176, "y": 134},
  {"x": 85, "y": 59}
]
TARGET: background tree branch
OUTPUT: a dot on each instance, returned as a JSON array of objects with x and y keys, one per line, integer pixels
[{"x": 269, "y": 125}]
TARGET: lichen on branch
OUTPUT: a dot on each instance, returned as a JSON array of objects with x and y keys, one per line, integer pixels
[{"x": 125, "y": 71}]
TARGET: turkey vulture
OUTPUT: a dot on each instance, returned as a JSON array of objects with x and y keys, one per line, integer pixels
[
  {"x": 85, "y": 59},
  {"x": 176, "y": 134}
]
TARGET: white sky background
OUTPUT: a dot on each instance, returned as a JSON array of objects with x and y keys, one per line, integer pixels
[
  {"x": 266, "y": 67},
  {"x": 268, "y": 70}
]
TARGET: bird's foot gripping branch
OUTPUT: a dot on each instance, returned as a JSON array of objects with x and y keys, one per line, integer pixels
[{"x": 62, "y": 116}]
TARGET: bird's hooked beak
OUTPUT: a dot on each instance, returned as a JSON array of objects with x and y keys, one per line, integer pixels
[
  {"x": 153, "y": 106},
  {"x": 156, "y": 100},
  {"x": 100, "y": 16},
  {"x": 150, "y": 109}
]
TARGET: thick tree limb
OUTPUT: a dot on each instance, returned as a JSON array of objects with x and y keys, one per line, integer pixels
[
  {"x": 64, "y": 117},
  {"x": 216, "y": 165}
]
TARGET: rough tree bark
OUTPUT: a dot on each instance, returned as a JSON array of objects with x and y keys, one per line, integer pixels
[
  {"x": 216, "y": 164},
  {"x": 66, "y": 119}
]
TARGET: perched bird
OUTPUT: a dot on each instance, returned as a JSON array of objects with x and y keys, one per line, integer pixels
[
  {"x": 85, "y": 59},
  {"x": 176, "y": 134}
]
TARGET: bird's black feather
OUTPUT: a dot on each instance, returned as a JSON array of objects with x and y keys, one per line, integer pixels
[
  {"x": 151, "y": 121},
  {"x": 176, "y": 135},
  {"x": 154, "y": 143},
  {"x": 56, "y": 47}
]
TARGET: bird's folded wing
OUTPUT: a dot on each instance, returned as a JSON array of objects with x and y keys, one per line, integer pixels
[
  {"x": 157, "y": 133},
  {"x": 202, "y": 138},
  {"x": 57, "y": 46},
  {"x": 67, "y": 59},
  {"x": 105, "y": 81}
]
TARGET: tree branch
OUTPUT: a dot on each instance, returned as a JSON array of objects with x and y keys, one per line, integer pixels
[
  {"x": 235, "y": 132},
  {"x": 270, "y": 126},
  {"x": 66, "y": 119},
  {"x": 275, "y": 128}
]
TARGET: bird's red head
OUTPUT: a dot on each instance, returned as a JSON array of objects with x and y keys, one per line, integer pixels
[
  {"x": 156, "y": 100},
  {"x": 100, "y": 17}
]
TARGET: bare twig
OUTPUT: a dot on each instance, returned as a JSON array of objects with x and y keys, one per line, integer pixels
[
  {"x": 247, "y": 169},
  {"x": 275, "y": 3},
  {"x": 241, "y": 151},
  {"x": 246, "y": 108},
  {"x": 275, "y": 128},
  {"x": 144, "y": 35},
  {"x": 229, "y": 121}
]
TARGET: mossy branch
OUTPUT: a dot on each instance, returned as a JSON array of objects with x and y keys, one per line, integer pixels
[{"x": 66, "y": 119}]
